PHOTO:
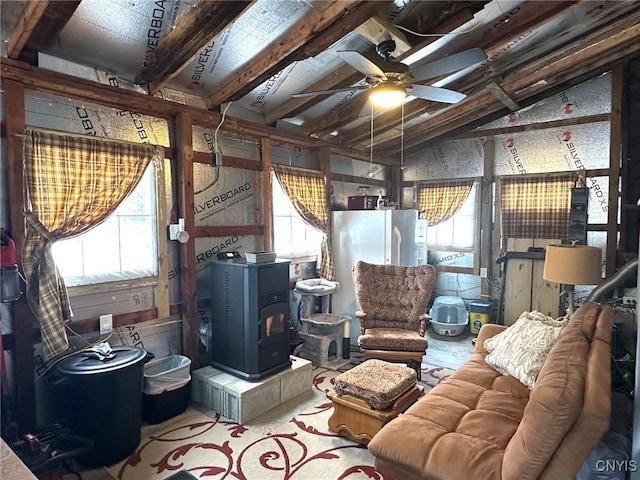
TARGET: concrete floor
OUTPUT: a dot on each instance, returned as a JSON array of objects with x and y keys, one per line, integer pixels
[{"x": 449, "y": 352}]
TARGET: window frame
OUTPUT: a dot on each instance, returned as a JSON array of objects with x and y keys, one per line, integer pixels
[
  {"x": 293, "y": 258},
  {"x": 160, "y": 281},
  {"x": 476, "y": 193}
]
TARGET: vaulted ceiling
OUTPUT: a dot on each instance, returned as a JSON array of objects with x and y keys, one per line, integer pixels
[{"x": 253, "y": 56}]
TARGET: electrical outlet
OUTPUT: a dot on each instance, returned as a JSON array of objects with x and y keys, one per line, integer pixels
[
  {"x": 106, "y": 324},
  {"x": 175, "y": 229}
]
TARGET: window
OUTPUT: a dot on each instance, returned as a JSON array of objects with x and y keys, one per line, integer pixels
[
  {"x": 457, "y": 231},
  {"x": 292, "y": 237},
  {"x": 123, "y": 247}
]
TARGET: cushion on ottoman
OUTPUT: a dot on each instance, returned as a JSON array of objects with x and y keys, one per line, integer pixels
[{"x": 377, "y": 382}]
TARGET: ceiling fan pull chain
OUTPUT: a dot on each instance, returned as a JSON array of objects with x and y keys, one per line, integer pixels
[
  {"x": 371, "y": 144},
  {"x": 402, "y": 136}
]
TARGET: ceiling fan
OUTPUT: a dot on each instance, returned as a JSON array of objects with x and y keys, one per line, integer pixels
[{"x": 389, "y": 81}]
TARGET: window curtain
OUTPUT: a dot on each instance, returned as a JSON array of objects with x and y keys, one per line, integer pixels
[
  {"x": 73, "y": 183},
  {"x": 536, "y": 206},
  {"x": 440, "y": 201},
  {"x": 307, "y": 191}
]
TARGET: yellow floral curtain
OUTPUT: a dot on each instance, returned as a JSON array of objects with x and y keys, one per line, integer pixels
[
  {"x": 73, "y": 184},
  {"x": 307, "y": 191},
  {"x": 536, "y": 206},
  {"x": 440, "y": 200}
]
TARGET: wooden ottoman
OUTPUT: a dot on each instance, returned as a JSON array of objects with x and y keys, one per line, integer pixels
[{"x": 370, "y": 395}]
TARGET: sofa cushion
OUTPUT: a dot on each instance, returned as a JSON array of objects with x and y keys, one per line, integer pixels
[
  {"x": 460, "y": 429},
  {"x": 481, "y": 424},
  {"x": 555, "y": 403},
  {"x": 478, "y": 372},
  {"x": 521, "y": 349},
  {"x": 594, "y": 418}
]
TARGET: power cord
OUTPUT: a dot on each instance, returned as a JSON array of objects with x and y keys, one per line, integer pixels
[
  {"x": 216, "y": 157},
  {"x": 217, "y": 153},
  {"x": 441, "y": 34}
]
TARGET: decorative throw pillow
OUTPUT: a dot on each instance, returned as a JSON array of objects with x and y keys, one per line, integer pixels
[{"x": 521, "y": 349}]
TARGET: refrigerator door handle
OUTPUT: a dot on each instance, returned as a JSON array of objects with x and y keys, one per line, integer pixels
[{"x": 397, "y": 237}]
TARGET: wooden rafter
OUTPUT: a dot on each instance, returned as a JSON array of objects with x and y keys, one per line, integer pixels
[
  {"x": 497, "y": 39},
  {"x": 196, "y": 29},
  {"x": 24, "y": 27},
  {"x": 40, "y": 23},
  {"x": 313, "y": 35},
  {"x": 589, "y": 55},
  {"x": 517, "y": 68},
  {"x": 503, "y": 96},
  {"x": 351, "y": 109},
  {"x": 343, "y": 76}
]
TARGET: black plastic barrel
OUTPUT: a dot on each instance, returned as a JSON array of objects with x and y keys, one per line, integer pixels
[{"x": 102, "y": 400}]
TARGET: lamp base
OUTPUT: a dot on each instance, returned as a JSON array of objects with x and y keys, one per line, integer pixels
[{"x": 570, "y": 299}]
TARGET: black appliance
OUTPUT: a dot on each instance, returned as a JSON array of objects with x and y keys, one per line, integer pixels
[
  {"x": 362, "y": 202},
  {"x": 250, "y": 317}
]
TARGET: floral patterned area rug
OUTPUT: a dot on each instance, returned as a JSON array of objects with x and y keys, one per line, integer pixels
[{"x": 275, "y": 446}]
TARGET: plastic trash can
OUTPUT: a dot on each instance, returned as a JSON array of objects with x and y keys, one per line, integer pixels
[
  {"x": 166, "y": 388},
  {"x": 479, "y": 312},
  {"x": 101, "y": 399}
]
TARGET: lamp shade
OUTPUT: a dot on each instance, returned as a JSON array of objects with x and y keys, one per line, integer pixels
[{"x": 573, "y": 264}]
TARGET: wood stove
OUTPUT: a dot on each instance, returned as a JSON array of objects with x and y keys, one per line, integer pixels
[{"x": 250, "y": 317}]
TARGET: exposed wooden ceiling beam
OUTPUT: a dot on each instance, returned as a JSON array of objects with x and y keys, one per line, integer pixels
[
  {"x": 349, "y": 112},
  {"x": 54, "y": 19},
  {"x": 40, "y": 22},
  {"x": 594, "y": 53},
  {"x": 531, "y": 15},
  {"x": 39, "y": 79},
  {"x": 344, "y": 76},
  {"x": 24, "y": 27},
  {"x": 194, "y": 31},
  {"x": 620, "y": 15},
  {"x": 503, "y": 96},
  {"x": 315, "y": 33},
  {"x": 532, "y": 127}
]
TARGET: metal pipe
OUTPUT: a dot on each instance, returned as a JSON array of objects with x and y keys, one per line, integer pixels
[{"x": 613, "y": 282}]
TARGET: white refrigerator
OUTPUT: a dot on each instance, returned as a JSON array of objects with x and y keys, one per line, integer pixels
[{"x": 394, "y": 237}]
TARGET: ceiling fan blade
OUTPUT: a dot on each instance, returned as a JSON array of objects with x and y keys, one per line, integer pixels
[
  {"x": 361, "y": 63},
  {"x": 436, "y": 94},
  {"x": 449, "y": 64},
  {"x": 330, "y": 92}
]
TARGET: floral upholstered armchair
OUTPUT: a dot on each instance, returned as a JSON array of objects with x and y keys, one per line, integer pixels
[{"x": 392, "y": 304}]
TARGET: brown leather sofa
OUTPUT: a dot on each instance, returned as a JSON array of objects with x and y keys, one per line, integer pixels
[{"x": 481, "y": 424}]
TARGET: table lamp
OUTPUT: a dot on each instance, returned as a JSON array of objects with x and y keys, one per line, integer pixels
[{"x": 572, "y": 265}]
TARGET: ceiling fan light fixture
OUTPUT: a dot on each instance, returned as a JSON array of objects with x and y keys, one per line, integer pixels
[{"x": 387, "y": 96}]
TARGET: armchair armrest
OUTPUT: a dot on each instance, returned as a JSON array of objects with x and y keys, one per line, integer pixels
[
  {"x": 425, "y": 319},
  {"x": 487, "y": 331},
  {"x": 360, "y": 315}
]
